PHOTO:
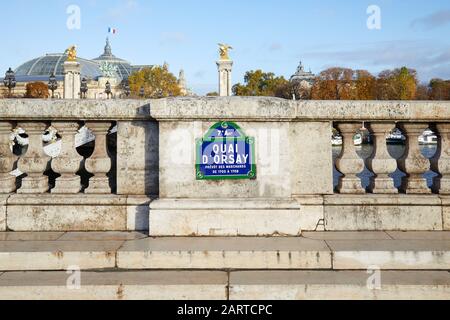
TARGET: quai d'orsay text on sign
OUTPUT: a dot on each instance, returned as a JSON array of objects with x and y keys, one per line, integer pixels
[{"x": 225, "y": 152}]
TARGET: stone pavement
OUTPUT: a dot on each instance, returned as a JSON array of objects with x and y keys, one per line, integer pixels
[{"x": 317, "y": 265}]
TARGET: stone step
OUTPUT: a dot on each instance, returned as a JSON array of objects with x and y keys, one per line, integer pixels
[
  {"x": 118, "y": 285},
  {"x": 339, "y": 285},
  {"x": 318, "y": 250},
  {"x": 29, "y": 251},
  {"x": 224, "y": 253},
  {"x": 216, "y": 285}
]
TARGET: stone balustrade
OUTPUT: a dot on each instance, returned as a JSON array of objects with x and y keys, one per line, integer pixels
[{"x": 146, "y": 176}]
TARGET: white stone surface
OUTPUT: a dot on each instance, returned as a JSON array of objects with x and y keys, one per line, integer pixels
[
  {"x": 228, "y": 217},
  {"x": 143, "y": 285},
  {"x": 224, "y": 253},
  {"x": 137, "y": 158},
  {"x": 238, "y": 108},
  {"x": 101, "y": 236},
  {"x": 446, "y": 218},
  {"x": 57, "y": 255},
  {"x": 67, "y": 213},
  {"x": 420, "y": 235},
  {"x": 446, "y": 213},
  {"x": 72, "y": 80},
  {"x": 30, "y": 236},
  {"x": 388, "y": 254},
  {"x": 347, "y": 235},
  {"x": 273, "y": 158},
  {"x": 342, "y": 285},
  {"x": 383, "y": 212},
  {"x": 3, "y": 199},
  {"x": 138, "y": 213},
  {"x": 225, "y": 68},
  {"x": 311, "y": 165}
]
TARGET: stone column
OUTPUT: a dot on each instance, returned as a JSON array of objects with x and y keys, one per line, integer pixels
[
  {"x": 72, "y": 80},
  {"x": 225, "y": 68},
  {"x": 413, "y": 163},
  {"x": 7, "y": 159},
  {"x": 349, "y": 163},
  {"x": 35, "y": 161},
  {"x": 444, "y": 159},
  {"x": 382, "y": 163},
  {"x": 68, "y": 162},
  {"x": 99, "y": 164}
]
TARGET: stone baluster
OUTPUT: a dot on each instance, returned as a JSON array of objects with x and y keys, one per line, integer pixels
[
  {"x": 382, "y": 163},
  {"x": 99, "y": 164},
  {"x": 69, "y": 161},
  {"x": 349, "y": 163},
  {"x": 35, "y": 161},
  {"x": 7, "y": 159},
  {"x": 413, "y": 163},
  {"x": 444, "y": 159}
]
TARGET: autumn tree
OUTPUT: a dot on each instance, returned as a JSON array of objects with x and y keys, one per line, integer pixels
[
  {"x": 365, "y": 86},
  {"x": 422, "y": 92},
  {"x": 212, "y": 94},
  {"x": 157, "y": 82},
  {"x": 439, "y": 89},
  {"x": 37, "y": 90},
  {"x": 397, "y": 84},
  {"x": 334, "y": 84},
  {"x": 259, "y": 83}
]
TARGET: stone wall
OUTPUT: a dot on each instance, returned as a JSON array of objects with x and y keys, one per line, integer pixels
[{"x": 152, "y": 184}]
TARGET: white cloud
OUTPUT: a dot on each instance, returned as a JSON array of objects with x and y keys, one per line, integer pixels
[
  {"x": 435, "y": 20},
  {"x": 428, "y": 58}
]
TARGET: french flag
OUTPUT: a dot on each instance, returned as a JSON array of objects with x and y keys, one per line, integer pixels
[{"x": 112, "y": 30}]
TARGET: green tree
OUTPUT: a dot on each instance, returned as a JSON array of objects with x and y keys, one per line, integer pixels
[
  {"x": 259, "y": 83},
  {"x": 157, "y": 81}
]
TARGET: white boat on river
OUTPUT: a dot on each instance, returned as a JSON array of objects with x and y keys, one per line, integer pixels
[
  {"x": 428, "y": 138},
  {"x": 52, "y": 145}
]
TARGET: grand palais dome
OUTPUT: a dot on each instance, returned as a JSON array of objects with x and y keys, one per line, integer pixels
[{"x": 40, "y": 69}]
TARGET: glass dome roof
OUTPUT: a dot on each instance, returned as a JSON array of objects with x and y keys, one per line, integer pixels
[
  {"x": 53, "y": 63},
  {"x": 124, "y": 68},
  {"x": 41, "y": 68}
]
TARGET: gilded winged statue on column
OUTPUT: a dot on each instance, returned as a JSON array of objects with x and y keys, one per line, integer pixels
[{"x": 223, "y": 51}]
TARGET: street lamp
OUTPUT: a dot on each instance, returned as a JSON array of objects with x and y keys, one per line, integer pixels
[
  {"x": 83, "y": 88},
  {"x": 126, "y": 88},
  {"x": 108, "y": 89},
  {"x": 142, "y": 92},
  {"x": 52, "y": 84},
  {"x": 10, "y": 80}
]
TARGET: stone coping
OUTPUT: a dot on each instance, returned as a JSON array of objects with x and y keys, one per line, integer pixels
[
  {"x": 224, "y": 108},
  {"x": 380, "y": 199},
  {"x": 235, "y": 204},
  {"x": 49, "y": 199}
]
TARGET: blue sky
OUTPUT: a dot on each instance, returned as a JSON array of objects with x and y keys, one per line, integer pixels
[{"x": 272, "y": 35}]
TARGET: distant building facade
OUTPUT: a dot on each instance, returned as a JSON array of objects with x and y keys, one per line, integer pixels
[
  {"x": 304, "y": 77},
  {"x": 98, "y": 71}
]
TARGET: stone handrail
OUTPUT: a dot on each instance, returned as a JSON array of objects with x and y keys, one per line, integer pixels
[
  {"x": 154, "y": 154},
  {"x": 236, "y": 108}
]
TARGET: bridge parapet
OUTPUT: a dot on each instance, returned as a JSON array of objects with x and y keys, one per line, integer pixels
[{"x": 140, "y": 168}]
